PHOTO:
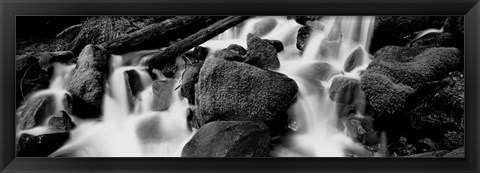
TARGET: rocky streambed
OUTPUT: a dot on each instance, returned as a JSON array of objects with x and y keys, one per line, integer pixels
[{"x": 234, "y": 86}]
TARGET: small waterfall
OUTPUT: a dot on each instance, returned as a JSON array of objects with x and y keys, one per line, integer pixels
[{"x": 141, "y": 132}]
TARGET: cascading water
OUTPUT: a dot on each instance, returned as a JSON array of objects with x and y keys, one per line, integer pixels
[{"x": 141, "y": 132}]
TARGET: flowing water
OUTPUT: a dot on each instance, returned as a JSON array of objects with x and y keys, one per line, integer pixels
[{"x": 140, "y": 132}]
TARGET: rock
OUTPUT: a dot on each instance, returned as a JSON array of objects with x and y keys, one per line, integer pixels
[
  {"x": 36, "y": 111},
  {"x": 276, "y": 43},
  {"x": 392, "y": 30},
  {"x": 460, "y": 152},
  {"x": 30, "y": 77},
  {"x": 148, "y": 130},
  {"x": 233, "y": 91},
  {"x": 61, "y": 121},
  {"x": 162, "y": 94},
  {"x": 431, "y": 64},
  {"x": 199, "y": 53},
  {"x": 88, "y": 82},
  {"x": 434, "y": 154},
  {"x": 329, "y": 49},
  {"x": 302, "y": 37},
  {"x": 40, "y": 146},
  {"x": 385, "y": 96},
  {"x": 229, "y": 139},
  {"x": 189, "y": 79},
  {"x": 397, "y": 53},
  {"x": 228, "y": 54},
  {"x": 303, "y": 19},
  {"x": 354, "y": 60},
  {"x": 134, "y": 86},
  {"x": 238, "y": 49},
  {"x": 263, "y": 27},
  {"x": 261, "y": 53},
  {"x": 345, "y": 90}
]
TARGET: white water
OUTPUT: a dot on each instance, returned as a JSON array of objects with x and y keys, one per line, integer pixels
[{"x": 121, "y": 132}]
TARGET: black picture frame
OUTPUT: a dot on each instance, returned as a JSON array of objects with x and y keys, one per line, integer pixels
[{"x": 9, "y": 9}]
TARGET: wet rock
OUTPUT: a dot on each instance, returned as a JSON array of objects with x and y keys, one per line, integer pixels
[
  {"x": 233, "y": 91},
  {"x": 229, "y": 139},
  {"x": 61, "y": 121},
  {"x": 385, "y": 96},
  {"x": 303, "y": 19},
  {"x": 148, "y": 130},
  {"x": 189, "y": 79},
  {"x": 431, "y": 64},
  {"x": 88, "y": 82},
  {"x": 263, "y": 27},
  {"x": 302, "y": 37},
  {"x": 354, "y": 60},
  {"x": 329, "y": 49},
  {"x": 36, "y": 111},
  {"x": 345, "y": 90},
  {"x": 40, "y": 146},
  {"x": 392, "y": 30},
  {"x": 134, "y": 86},
  {"x": 361, "y": 129},
  {"x": 261, "y": 53},
  {"x": 277, "y": 44},
  {"x": 228, "y": 54},
  {"x": 30, "y": 77},
  {"x": 238, "y": 49},
  {"x": 162, "y": 94},
  {"x": 460, "y": 152}
]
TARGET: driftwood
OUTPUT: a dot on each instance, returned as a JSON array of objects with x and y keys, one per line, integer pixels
[
  {"x": 161, "y": 34},
  {"x": 172, "y": 51}
]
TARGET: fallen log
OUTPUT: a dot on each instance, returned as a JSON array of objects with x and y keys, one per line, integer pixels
[
  {"x": 172, "y": 51},
  {"x": 159, "y": 35}
]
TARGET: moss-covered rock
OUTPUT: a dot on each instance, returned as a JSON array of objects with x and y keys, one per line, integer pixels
[
  {"x": 261, "y": 53},
  {"x": 234, "y": 91}
]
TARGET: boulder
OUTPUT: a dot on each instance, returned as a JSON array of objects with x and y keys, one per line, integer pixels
[
  {"x": 261, "y": 53},
  {"x": 162, "y": 94},
  {"x": 234, "y": 91},
  {"x": 429, "y": 65},
  {"x": 263, "y": 27},
  {"x": 354, "y": 60},
  {"x": 61, "y": 121},
  {"x": 238, "y": 49},
  {"x": 229, "y": 139},
  {"x": 189, "y": 79},
  {"x": 228, "y": 54},
  {"x": 394, "y": 30},
  {"x": 41, "y": 145},
  {"x": 88, "y": 82},
  {"x": 385, "y": 96},
  {"x": 30, "y": 77}
]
